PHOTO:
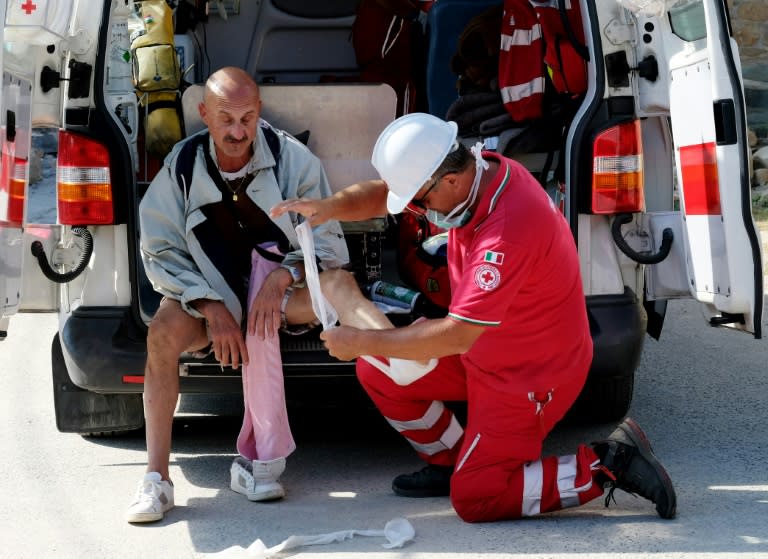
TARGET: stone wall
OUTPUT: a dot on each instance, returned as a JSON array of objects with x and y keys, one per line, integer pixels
[
  {"x": 750, "y": 28},
  {"x": 749, "y": 19}
]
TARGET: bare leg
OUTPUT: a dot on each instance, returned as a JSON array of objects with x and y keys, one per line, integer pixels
[
  {"x": 341, "y": 290},
  {"x": 171, "y": 332}
]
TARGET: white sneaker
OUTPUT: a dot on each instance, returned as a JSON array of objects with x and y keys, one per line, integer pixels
[
  {"x": 257, "y": 480},
  {"x": 154, "y": 498}
]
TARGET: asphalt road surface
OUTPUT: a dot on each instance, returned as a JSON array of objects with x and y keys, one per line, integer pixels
[{"x": 701, "y": 395}]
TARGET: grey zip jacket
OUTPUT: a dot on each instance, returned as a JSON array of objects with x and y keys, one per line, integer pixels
[{"x": 176, "y": 263}]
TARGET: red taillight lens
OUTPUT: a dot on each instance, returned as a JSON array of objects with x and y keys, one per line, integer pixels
[
  {"x": 13, "y": 185},
  {"x": 17, "y": 187},
  {"x": 83, "y": 181},
  {"x": 617, "y": 171}
]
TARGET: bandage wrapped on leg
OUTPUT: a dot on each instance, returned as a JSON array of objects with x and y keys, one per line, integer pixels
[{"x": 401, "y": 371}]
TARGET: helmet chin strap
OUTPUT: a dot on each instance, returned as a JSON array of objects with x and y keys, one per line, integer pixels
[{"x": 480, "y": 166}]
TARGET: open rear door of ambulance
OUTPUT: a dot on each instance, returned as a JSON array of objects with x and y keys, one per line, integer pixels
[
  {"x": 22, "y": 285},
  {"x": 709, "y": 129}
]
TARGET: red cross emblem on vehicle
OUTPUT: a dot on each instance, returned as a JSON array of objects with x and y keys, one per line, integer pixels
[
  {"x": 487, "y": 277},
  {"x": 29, "y": 7}
]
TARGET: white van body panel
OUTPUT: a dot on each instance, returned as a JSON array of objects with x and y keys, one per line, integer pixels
[
  {"x": 22, "y": 285},
  {"x": 706, "y": 111}
]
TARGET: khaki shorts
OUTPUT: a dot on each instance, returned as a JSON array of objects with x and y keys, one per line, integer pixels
[{"x": 290, "y": 329}]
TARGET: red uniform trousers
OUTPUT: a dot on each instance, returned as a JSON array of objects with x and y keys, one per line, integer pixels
[{"x": 499, "y": 472}]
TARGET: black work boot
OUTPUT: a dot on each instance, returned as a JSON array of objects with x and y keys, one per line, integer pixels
[
  {"x": 633, "y": 467},
  {"x": 430, "y": 481}
]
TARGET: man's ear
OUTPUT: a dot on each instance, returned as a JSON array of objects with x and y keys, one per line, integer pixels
[
  {"x": 203, "y": 113},
  {"x": 452, "y": 179}
]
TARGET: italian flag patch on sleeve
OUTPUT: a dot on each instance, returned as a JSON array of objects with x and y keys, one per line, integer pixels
[{"x": 493, "y": 257}]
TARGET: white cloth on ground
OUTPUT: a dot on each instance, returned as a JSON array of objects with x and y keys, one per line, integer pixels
[{"x": 397, "y": 531}]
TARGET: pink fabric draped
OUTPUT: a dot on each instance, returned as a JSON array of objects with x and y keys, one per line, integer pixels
[{"x": 265, "y": 434}]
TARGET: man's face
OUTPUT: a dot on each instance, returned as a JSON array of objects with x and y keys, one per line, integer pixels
[{"x": 232, "y": 122}]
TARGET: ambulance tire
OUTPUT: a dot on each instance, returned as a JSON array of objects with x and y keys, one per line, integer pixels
[
  {"x": 87, "y": 413},
  {"x": 604, "y": 399}
]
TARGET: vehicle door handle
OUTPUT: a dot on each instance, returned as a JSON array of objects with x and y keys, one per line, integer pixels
[{"x": 10, "y": 126}]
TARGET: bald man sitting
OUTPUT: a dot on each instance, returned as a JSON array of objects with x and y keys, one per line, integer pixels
[{"x": 231, "y": 276}]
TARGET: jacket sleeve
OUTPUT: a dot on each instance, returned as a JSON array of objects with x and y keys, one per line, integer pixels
[
  {"x": 164, "y": 250},
  {"x": 306, "y": 178}
]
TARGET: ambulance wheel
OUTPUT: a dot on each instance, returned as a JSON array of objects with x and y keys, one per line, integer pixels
[
  {"x": 88, "y": 413},
  {"x": 604, "y": 399}
]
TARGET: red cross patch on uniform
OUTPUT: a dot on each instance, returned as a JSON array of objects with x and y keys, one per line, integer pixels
[{"x": 487, "y": 277}]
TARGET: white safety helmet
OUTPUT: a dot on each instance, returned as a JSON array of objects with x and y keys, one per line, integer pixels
[{"x": 408, "y": 151}]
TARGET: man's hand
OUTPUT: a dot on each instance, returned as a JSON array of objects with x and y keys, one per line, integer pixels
[
  {"x": 226, "y": 338},
  {"x": 316, "y": 212},
  {"x": 264, "y": 314},
  {"x": 342, "y": 342}
]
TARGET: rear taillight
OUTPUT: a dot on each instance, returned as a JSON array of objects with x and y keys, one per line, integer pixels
[
  {"x": 83, "y": 181},
  {"x": 14, "y": 181},
  {"x": 17, "y": 188},
  {"x": 617, "y": 171}
]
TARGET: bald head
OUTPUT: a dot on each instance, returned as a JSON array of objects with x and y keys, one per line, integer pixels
[
  {"x": 231, "y": 109},
  {"x": 232, "y": 84}
]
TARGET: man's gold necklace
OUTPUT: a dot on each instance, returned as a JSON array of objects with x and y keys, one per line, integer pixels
[{"x": 238, "y": 188}]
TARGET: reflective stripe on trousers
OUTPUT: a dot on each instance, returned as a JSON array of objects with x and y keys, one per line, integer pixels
[
  {"x": 573, "y": 487},
  {"x": 447, "y": 439}
]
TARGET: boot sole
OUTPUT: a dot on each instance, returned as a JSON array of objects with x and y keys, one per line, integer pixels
[
  {"x": 419, "y": 493},
  {"x": 272, "y": 495},
  {"x": 638, "y": 436},
  {"x": 142, "y": 517}
]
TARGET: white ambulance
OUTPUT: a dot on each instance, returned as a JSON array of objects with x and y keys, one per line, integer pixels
[{"x": 663, "y": 115}]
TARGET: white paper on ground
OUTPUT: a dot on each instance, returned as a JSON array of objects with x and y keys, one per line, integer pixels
[
  {"x": 401, "y": 371},
  {"x": 397, "y": 531}
]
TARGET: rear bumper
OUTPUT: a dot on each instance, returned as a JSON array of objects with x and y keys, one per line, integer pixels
[
  {"x": 617, "y": 324},
  {"x": 105, "y": 351}
]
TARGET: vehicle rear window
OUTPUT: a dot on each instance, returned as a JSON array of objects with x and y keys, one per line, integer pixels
[{"x": 688, "y": 20}]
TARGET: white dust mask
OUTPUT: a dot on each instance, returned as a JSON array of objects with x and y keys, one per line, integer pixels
[{"x": 454, "y": 218}]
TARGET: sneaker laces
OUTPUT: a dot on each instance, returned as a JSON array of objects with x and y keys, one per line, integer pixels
[
  {"x": 614, "y": 483},
  {"x": 610, "y": 484},
  {"x": 613, "y": 487}
]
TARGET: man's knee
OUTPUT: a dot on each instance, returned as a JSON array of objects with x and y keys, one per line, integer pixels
[
  {"x": 172, "y": 330},
  {"x": 472, "y": 503},
  {"x": 373, "y": 380},
  {"x": 338, "y": 283}
]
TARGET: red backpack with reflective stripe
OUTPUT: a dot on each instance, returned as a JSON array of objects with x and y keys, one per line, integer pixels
[
  {"x": 540, "y": 38},
  {"x": 566, "y": 65},
  {"x": 521, "y": 66}
]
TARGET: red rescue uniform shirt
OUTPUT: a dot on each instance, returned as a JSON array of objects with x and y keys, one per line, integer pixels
[{"x": 514, "y": 269}]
